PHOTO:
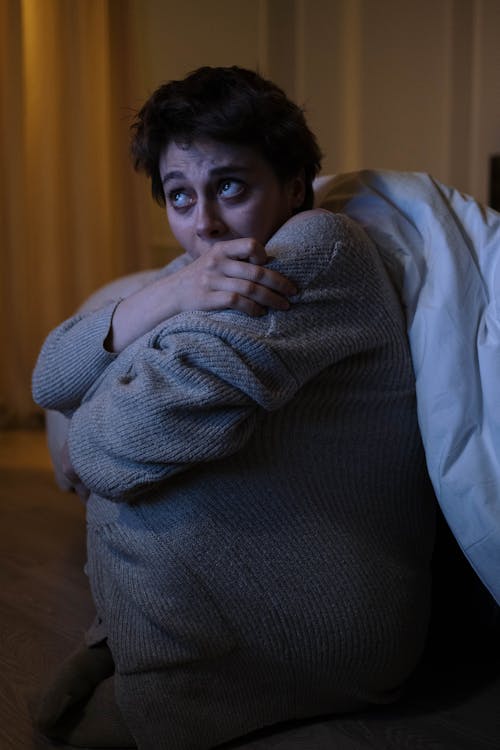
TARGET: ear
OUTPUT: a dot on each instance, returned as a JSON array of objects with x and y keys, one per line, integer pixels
[{"x": 297, "y": 190}]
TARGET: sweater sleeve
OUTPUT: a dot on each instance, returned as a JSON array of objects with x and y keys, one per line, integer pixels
[
  {"x": 72, "y": 359},
  {"x": 191, "y": 390},
  {"x": 73, "y": 356}
]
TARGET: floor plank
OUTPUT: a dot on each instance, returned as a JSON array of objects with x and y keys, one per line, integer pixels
[{"x": 45, "y": 604}]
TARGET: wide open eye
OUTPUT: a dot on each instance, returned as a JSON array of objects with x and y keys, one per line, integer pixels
[
  {"x": 231, "y": 188},
  {"x": 180, "y": 198}
]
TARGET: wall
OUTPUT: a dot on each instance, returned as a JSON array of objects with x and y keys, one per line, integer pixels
[
  {"x": 396, "y": 84},
  {"x": 390, "y": 84}
]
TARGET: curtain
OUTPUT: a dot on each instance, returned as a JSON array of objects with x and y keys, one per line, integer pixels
[{"x": 71, "y": 208}]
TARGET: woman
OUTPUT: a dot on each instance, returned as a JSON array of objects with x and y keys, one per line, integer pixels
[{"x": 260, "y": 521}]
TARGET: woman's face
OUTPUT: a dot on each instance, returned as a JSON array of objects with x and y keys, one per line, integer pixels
[{"x": 216, "y": 192}]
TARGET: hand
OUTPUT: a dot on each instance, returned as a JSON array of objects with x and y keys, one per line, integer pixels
[
  {"x": 69, "y": 472},
  {"x": 231, "y": 275}
]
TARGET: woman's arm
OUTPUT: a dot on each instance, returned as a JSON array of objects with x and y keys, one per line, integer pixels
[
  {"x": 56, "y": 424},
  {"x": 141, "y": 288},
  {"x": 76, "y": 354},
  {"x": 192, "y": 389}
]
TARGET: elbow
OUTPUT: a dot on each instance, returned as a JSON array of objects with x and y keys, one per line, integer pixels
[
  {"x": 40, "y": 393},
  {"x": 45, "y": 395}
]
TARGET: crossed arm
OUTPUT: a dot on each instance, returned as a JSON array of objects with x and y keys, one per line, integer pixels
[
  {"x": 232, "y": 275},
  {"x": 190, "y": 389}
]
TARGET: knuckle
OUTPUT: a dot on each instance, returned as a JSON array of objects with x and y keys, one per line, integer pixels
[
  {"x": 259, "y": 273},
  {"x": 204, "y": 281},
  {"x": 211, "y": 261},
  {"x": 252, "y": 246}
]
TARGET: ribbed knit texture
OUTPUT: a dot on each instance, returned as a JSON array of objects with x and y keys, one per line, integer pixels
[{"x": 261, "y": 525}]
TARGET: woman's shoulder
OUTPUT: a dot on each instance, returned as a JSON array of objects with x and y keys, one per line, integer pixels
[
  {"x": 325, "y": 250},
  {"x": 319, "y": 226},
  {"x": 320, "y": 234},
  {"x": 322, "y": 217}
]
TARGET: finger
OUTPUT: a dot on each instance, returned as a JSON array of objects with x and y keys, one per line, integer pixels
[
  {"x": 261, "y": 295},
  {"x": 244, "y": 248},
  {"x": 260, "y": 275},
  {"x": 226, "y": 300},
  {"x": 246, "y": 258}
]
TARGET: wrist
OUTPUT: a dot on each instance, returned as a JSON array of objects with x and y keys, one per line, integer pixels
[{"x": 141, "y": 312}]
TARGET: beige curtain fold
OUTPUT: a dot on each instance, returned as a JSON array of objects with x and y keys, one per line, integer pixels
[{"x": 71, "y": 209}]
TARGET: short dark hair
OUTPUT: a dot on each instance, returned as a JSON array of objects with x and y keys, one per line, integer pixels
[{"x": 231, "y": 105}]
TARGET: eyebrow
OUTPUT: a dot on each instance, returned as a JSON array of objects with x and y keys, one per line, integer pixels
[{"x": 176, "y": 174}]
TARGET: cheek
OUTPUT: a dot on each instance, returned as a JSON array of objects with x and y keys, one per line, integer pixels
[
  {"x": 181, "y": 233},
  {"x": 177, "y": 226},
  {"x": 272, "y": 214},
  {"x": 255, "y": 220}
]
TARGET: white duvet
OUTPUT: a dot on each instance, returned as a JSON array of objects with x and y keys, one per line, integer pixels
[{"x": 443, "y": 251}]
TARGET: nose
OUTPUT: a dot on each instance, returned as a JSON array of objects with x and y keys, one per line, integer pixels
[{"x": 209, "y": 223}]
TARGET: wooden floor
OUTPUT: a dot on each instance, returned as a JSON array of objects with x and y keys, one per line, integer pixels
[
  {"x": 44, "y": 600},
  {"x": 45, "y": 608}
]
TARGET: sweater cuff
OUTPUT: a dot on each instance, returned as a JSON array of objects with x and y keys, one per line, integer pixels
[{"x": 92, "y": 331}]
